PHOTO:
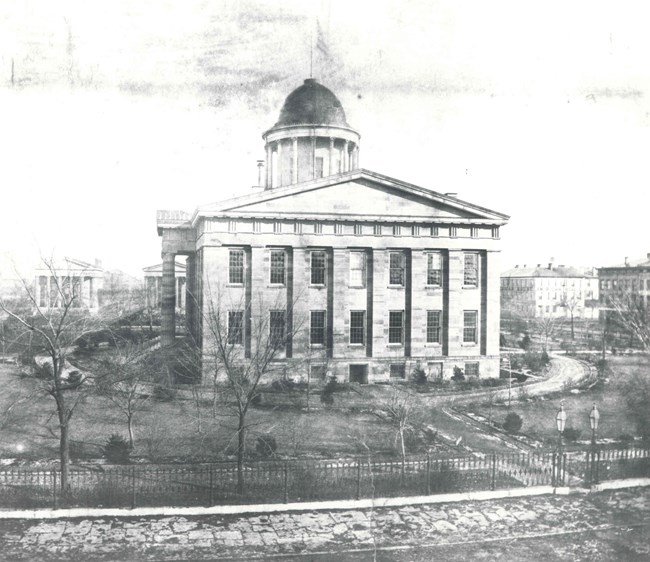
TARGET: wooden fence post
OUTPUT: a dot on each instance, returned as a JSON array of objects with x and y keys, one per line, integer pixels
[
  {"x": 428, "y": 473},
  {"x": 286, "y": 482},
  {"x": 133, "y": 498},
  {"x": 358, "y": 494},
  {"x": 54, "y": 503}
]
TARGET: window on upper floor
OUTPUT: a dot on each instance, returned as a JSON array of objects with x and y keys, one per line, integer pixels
[
  {"x": 278, "y": 267},
  {"x": 236, "y": 267},
  {"x": 397, "y": 267},
  {"x": 357, "y": 269},
  {"x": 434, "y": 269},
  {"x": 470, "y": 269},
  {"x": 318, "y": 266}
]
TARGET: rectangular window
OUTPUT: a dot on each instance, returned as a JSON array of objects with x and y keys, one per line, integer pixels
[
  {"x": 318, "y": 372},
  {"x": 434, "y": 326},
  {"x": 278, "y": 267},
  {"x": 338, "y": 228},
  {"x": 357, "y": 326},
  {"x": 318, "y": 228},
  {"x": 470, "y": 326},
  {"x": 235, "y": 327},
  {"x": 376, "y": 230},
  {"x": 318, "y": 264},
  {"x": 232, "y": 226},
  {"x": 317, "y": 327},
  {"x": 396, "y": 326},
  {"x": 257, "y": 226},
  {"x": 358, "y": 229},
  {"x": 397, "y": 370},
  {"x": 453, "y": 231},
  {"x": 472, "y": 369},
  {"x": 236, "y": 267},
  {"x": 435, "y": 232},
  {"x": 470, "y": 269},
  {"x": 434, "y": 269},
  {"x": 318, "y": 167},
  {"x": 397, "y": 230},
  {"x": 277, "y": 227},
  {"x": 276, "y": 327},
  {"x": 415, "y": 230},
  {"x": 473, "y": 232},
  {"x": 396, "y": 268},
  {"x": 357, "y": 269},
  {"x": 297, "y": 227},
  {"x": 495, "y": 232}
]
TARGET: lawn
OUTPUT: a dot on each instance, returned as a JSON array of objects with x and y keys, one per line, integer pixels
[{"x": 539, "y": 413}]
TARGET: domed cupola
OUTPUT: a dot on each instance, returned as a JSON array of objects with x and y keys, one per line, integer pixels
[{"x": 311, "y": 138}]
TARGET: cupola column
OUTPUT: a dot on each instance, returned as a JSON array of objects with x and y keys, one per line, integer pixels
[
  {"x": 346, "y": 156},
  {"x": 269, "y": 164},
  {"x": 294, "y": 170},
  {"x": 330, "y": 171},
  {"x": 313, "y": 157},
  {"x": 279, "y": 163}
]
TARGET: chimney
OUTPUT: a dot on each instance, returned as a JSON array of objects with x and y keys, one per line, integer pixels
[
  {"x": 260, "y": 167},
  {"x": 516, "y": 266},
  {"x": 539, "y": 265},
  {"x": 550, "y": 263},
  {"x": 627, "y": 262}
]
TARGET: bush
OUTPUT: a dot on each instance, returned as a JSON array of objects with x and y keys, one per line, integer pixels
[
  {"x": 283, "y": 385},
  {"x": 525, "y": 342},
  {"x": 571, "y": 434},
  {"x": 164, "y": 393},
  {"x": 266, "y": 445},
  {"x": 419, "y": 376},
  {"x": 513, "y": 422},
  {"x": 117, "y": 450},
  {"x": 327, "y": 394},
  {"x": 545, "y": 358},
  {"x": 458, "y": 374}
]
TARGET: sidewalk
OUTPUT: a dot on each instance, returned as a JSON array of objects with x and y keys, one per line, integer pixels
[{"x": 261, "y": 536}]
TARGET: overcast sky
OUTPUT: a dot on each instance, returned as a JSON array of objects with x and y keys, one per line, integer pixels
[{"x": 539, "y": 110}]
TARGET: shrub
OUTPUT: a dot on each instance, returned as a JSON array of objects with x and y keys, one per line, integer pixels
[
  {"x": 571, "y": 434},
  {"x": 283, "y": 385},
  {"x": 266, "y": 445},
  {"x": 327, "y": 394},
  {"x": 419, "y": 376},
  {"x": 164, "y": 393},
  {"x": 117, "y": 450},
  {"x": 458, "y": 374},
  {"x": 545, "y": 358},
  {"x": 525, "y": 342},
  {"x": 513, "y": 422}
]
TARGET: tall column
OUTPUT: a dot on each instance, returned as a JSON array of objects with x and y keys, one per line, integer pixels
[
  {"x": 330, "y": 172},
  {"x": 313, "y": 157},
  {"x": 92, "y": 295},
  {"x": 346, "y": 157},
  {"x": 294, "y": 171},
  {"x": 168, "y": 301},
  {"x": 37, "y": 290},
  {"x": 279, "y": 164},
  {"x": 190, "y": 299},
  {"x": 269, "y": 165},
  {"x": 356, "y": 156}
]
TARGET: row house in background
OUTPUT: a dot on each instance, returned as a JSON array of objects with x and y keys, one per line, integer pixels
[
  {"x": 549, "y": 292},
  {"x": 70, "y": 276},
  {"x": 630, "y": 279},
  {"x": 371, "y": 276}
]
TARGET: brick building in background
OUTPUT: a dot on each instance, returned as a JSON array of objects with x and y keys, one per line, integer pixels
[{"x": 371, "y": 275}]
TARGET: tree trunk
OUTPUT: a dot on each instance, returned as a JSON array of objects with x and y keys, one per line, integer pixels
[
  {"x": 241, "y": 441},
  {"x": 64, "y": 444},
  {"x": 129, "y": 423},
  {"x": 401, "y": 439},
  {"x": 573, "y": 336}
]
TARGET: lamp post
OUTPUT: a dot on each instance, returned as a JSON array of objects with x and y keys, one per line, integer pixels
[
  {"x": 560, "y": 422},
  {"x": 594, "y": 416}
]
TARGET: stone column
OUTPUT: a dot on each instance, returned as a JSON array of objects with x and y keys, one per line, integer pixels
[
  {"x": 346, "y": 157},
  {"x": 330, "y": 172},
  {"x": 269, "y": 166},
  {"x": 91, "y": 293},
  {"x": 356, "y": 156},
  {"x": 168, "y": 301},
  {"x": 190, "y": 298},
  {"x": 37, "y": 290},
  {"x": 313, "y": 157},
  {"x": 294, "y": 171}
]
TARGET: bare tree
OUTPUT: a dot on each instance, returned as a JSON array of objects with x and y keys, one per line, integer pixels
[
  {"x": 570, "y": 302},
  {"x": 629, "y": 314},
  {"x": 397, "y": 411},
  {"x": 51, "y": 332},
  {"x": 547, "y": 326},
  {"x": 242, "y": 365}
]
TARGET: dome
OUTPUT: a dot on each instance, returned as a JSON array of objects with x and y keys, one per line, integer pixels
[{"x": 312, "y": 104}]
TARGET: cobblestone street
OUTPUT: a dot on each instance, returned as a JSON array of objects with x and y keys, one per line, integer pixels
[{"x": 312, "y": 533}]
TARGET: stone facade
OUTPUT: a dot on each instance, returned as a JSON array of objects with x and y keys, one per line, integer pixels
[
  {"x": 76, "y": 277},
  {"x": 153, "y": 285},
  {"x": 628, "y": 280},
  {"x": 368, "y": 277}
]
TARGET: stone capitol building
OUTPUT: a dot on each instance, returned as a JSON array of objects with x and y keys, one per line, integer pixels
[{"x": 369, "y": 276}]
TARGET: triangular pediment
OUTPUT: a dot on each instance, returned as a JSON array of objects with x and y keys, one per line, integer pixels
[{"x": 356, "y": 194}]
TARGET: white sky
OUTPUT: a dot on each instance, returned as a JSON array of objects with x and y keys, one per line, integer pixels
[{"x": 536, "y": 109}]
